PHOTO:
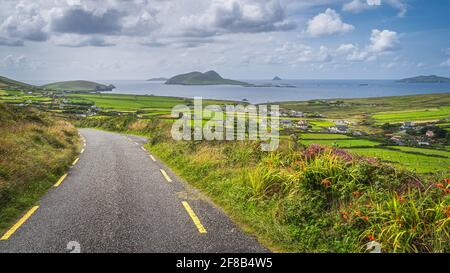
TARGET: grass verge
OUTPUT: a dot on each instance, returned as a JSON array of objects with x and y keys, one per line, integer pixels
[{"x": 35, "y": 150}]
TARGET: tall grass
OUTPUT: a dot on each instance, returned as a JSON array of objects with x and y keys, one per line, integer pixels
[{"x": 35, "y": 149}]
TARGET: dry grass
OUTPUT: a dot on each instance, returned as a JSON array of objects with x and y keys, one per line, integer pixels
[{"x": 34, "y": 150}]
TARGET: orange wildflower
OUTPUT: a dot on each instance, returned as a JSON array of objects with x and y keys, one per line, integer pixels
[
  {"x": 439, "y": 185},
  {"x": 326, "y": 182},
  {"x": 356, "y": 194},
  {"x": 365, "y": 218},
  {"x": 371, "y": 238}
]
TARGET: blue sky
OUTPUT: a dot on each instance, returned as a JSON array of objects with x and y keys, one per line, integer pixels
[{"x": 243, "y": 39}]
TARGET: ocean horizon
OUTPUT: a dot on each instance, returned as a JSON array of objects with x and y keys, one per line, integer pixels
[{"x": 303, "y": 90}]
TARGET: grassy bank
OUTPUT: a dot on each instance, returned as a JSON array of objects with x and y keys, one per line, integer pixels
[
  {"x": 308, "y": 198},
  {"x": 35, "y": 149}
]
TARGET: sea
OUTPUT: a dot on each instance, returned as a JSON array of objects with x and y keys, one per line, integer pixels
[{"x": 297, "y": 90}]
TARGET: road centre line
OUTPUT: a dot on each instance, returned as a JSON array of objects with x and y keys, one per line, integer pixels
[
  {"x": 76, "y": 161},
  {"x": 166, "y": 176},
  {"x": 60, "y": 180},
  {"x": 194, "y": 218}
]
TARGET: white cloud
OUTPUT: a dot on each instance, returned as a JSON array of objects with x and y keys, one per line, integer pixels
[
  {"x": 25, "y": 23},
  {"x": 74, "y": 40},
  {"x": 357, "y": 6},
  {"x": 293, "y": 53},
  {"x": 380, "y": 43},
  {"x": 385, "y": 40},
  {"x": 232, "y": 16},
  {"x": 14, "y": 62},
  {"x": 10, "y": 42},
  {"x": 360, "y": 5},
  {"x": 374, "y": 2},
  {"x": 328, "y": 23},
  {"x": 352, "y": 53},
  {"x": 400, "y": 5},
  {"x": 446, "y": 63}
]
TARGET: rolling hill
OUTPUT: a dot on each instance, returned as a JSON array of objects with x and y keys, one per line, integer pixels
[
  {"x": 207, "y": 78},
  {"x": 79, "y": 86},
  {"x": 8, "y": 84}
]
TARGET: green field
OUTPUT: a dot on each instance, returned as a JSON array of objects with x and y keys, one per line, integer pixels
[
  {"x": 422, "y": 151},
  {"x": 414, "y": 115},
  {"x": 137, "y": 102},
  {"x": 323, "y": 136},
  {"x": 342, "y": 143},
  {"x": 419, "y": 163},
  {"x": 358, "y": 108},
  {"x": 419, "y": 159},
  {"x": 129, "y": 102}
]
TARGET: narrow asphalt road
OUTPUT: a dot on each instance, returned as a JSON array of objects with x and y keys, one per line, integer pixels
[{"x": 116, "y": 199}]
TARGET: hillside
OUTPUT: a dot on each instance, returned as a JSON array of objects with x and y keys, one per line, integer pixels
[
  {"x": 8, "y": 84},
  {"x": 207, "y": 78},
  {"x": 78, "y": 86},
  {"x": 426, "y": 79}
]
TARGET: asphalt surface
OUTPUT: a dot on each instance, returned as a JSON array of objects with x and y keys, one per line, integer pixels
[{"x": 115, "y": 199}]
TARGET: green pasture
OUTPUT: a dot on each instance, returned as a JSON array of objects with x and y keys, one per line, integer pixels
[
  {"x": 419, "y": 163},
  {"x": 129, "y": 102},
  {"x": 422, "y": 151},
  {"x": 413, "y": 115},
  {"x": 342, "y": 143},
  {"x": 324, "y": 136}
]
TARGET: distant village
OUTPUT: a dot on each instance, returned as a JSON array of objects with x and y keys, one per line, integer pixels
[{"x": 404, "y": 134}]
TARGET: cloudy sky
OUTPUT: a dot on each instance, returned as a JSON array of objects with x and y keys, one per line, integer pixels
[{"x": 243, "y": 39}]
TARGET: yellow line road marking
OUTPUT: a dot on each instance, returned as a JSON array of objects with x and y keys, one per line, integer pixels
[
  {"x": 75, "y": 162},
  {"x": 153, "y": 158},
  {"x": 143, "y": 149},
  {"x": 60, "y": 180},
  {"x": 194, "y": 218},
  {"x": 166, "y": 176},
  {"x": 19, "y": 223},
  {"x": 82, "y": 151}
]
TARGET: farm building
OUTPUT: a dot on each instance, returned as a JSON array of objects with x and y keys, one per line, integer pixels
[{"x": 338, "y": 129}]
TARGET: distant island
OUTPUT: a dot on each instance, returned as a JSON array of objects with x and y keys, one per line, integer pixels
[
  {"x": 161, "y": 79},
  {"x": 277, "y": 79},
  {"x": 207, "y": 78},
  {"x": 426, "y": 79},
  {"x": 78, "y": 86}
]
